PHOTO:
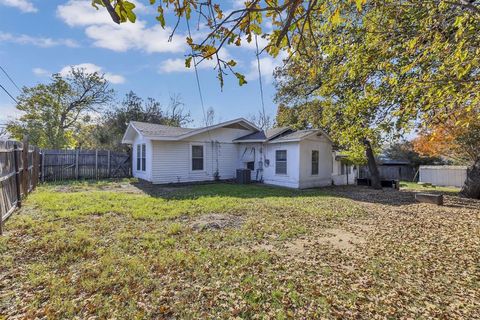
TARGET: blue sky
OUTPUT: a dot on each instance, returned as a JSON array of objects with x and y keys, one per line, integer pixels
[{"x": 38, "y": 38}]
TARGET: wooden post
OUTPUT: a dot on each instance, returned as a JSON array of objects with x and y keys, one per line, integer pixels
[
  {"x": 37, "y": 167},
  {"x": 96, "y": 164},
  {"x": 108, "y": 163},
  {"x": 76, "y": 164},
  {"x": 43, "y": 166},
  {"x": 25, "y": 175},
  {"x": 17, "y": 175}
]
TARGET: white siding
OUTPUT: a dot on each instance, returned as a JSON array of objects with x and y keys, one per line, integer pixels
[
  {"x": 340, "y": 179},
  {"x": 147, "y": 174},
  {"x": 443, "y": 175},
  {"x": 324, "y": 177},
  {"x": 254, "y": 152},
  {"x": 172, "y": 159},
  {"x": 291, "y": 179}
]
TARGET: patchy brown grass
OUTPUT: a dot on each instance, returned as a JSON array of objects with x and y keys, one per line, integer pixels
[{"x": 124, "y": 250}]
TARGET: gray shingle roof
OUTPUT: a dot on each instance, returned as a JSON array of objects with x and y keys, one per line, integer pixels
[
  {"x": 152, "y": 129},
  {"x": 262, "y": 135},
  {"x": 296, "y": 135},
  {"x": 276, "y": 131}
]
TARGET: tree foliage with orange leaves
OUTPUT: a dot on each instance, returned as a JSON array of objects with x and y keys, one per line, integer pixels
[
  {"x": 457, "y": 139},
  {"x": 459, "y": 143}
]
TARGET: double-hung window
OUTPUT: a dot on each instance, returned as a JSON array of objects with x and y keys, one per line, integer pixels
[
  {"x": 197, "y": 157},
  {"x": 141, "y": 157},
  {"x": 314, "y": 162},
  {"x": 281, "y": 162}
]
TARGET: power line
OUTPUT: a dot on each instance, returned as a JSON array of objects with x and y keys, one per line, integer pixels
[
  {"x": 10, "y": 78},
  {"x": 261, "y": 85},
  {"x": 197, "y": 77},
  {"x": 9, "y": 94}
]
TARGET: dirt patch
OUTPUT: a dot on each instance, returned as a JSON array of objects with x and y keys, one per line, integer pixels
[
  {"x": 341, "y": 239},
  {"x": 66, "y": 189},
  {"x": 302, "y": 247},
  {"x": 216, "y": 221}
]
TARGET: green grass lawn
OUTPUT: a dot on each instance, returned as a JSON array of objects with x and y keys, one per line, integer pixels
[
  {"x": 414, "y": 186},
  {"x": 127, "y": 251}
]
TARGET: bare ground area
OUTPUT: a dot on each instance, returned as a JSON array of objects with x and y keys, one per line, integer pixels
[{"x": 125, "y": 250}]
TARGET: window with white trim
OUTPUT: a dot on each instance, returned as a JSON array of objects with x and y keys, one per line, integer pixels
[
  {"x": 197, "y": 157},
  {"x": 314, "y": 162},
  {"x": 141, "y": 157},
  {"x": 281, "y": 162}
]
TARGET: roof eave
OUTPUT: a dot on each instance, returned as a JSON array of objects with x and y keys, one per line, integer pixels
[
  {"x": 248, "y": 141},
  {"x": 125, "y": 140},
  {"x": 282, "y": 141},
  {"x": 220, "y": 125}
]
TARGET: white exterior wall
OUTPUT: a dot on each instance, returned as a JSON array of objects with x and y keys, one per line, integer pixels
[
  {"x": 443, "y": 175},
  {"x": 171, "y": 162},
  {"x": 340, "y": 179},
  {"x": 147, "y": 174},
  {"x": 291, "y": 179},
  {"x": 257, "y": 158},
  {"x": 324, "y": 176}
]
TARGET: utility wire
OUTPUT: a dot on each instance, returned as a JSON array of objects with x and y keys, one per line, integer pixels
[
  {"x": 9, "y": 94},
  {"x": 261, "y": 85},
  {"x": 197, "y": 78},
  {"x": 10, "y": 78}
]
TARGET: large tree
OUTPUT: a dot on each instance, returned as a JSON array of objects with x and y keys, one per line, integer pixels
[
  {"x": 113, "y": 123},
  {"x": 54, "y": 113},
  {"x": 406, "y": 60}
]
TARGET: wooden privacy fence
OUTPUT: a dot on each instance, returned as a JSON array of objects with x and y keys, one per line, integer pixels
[
  {"x": 58, "y": 165},
  {"x": 19, "y": 174}
]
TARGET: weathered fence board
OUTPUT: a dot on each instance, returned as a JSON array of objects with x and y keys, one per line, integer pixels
[
  {"x": 19, "y": 174},
  {"x": 58, "y": 165}
]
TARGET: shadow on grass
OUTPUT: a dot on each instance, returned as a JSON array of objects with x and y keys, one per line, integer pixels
[
  {"x": 385, "y": 196},
  {"x": 222, "y": 189}
]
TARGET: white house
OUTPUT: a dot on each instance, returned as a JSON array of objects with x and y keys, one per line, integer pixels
[{"x": 280, "y": 156}]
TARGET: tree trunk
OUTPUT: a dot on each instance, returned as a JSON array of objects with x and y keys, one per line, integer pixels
[
  {"x": 471, "y": 188},
  {"x": 372, "y": 165}
]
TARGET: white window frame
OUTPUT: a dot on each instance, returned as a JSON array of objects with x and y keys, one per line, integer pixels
[
  {"x": 141, "y": 157},
  {"x": 191, "y": 157},
  {"x": 318, "y": 163},
  {"x": 286, "y": 162}
]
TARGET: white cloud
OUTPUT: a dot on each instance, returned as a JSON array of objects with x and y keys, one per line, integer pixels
[
  {"x": 36, "y": 41},
  {"x": 81, "y": 13},
  {"x": 178, "y": 65},
  {"x": 262, "y": 43},
  {"x": 40, "y": 72},
  {"x": 174, "y": 65},
  {"x": 22, "y": 5},
  {"x": 92, "y": 68},
  {"x": 126, "y": 36},
  {"x": 267, "y": 66},
  {"x": 9, "y": 112}
]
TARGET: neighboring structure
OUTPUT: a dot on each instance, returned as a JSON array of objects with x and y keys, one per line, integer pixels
[
  {"x": 280, "y": 156},
  {"x": 343, "y": 173},
  {"x": 447, "y": 176},
  {"x": 391, "y": 169}
]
